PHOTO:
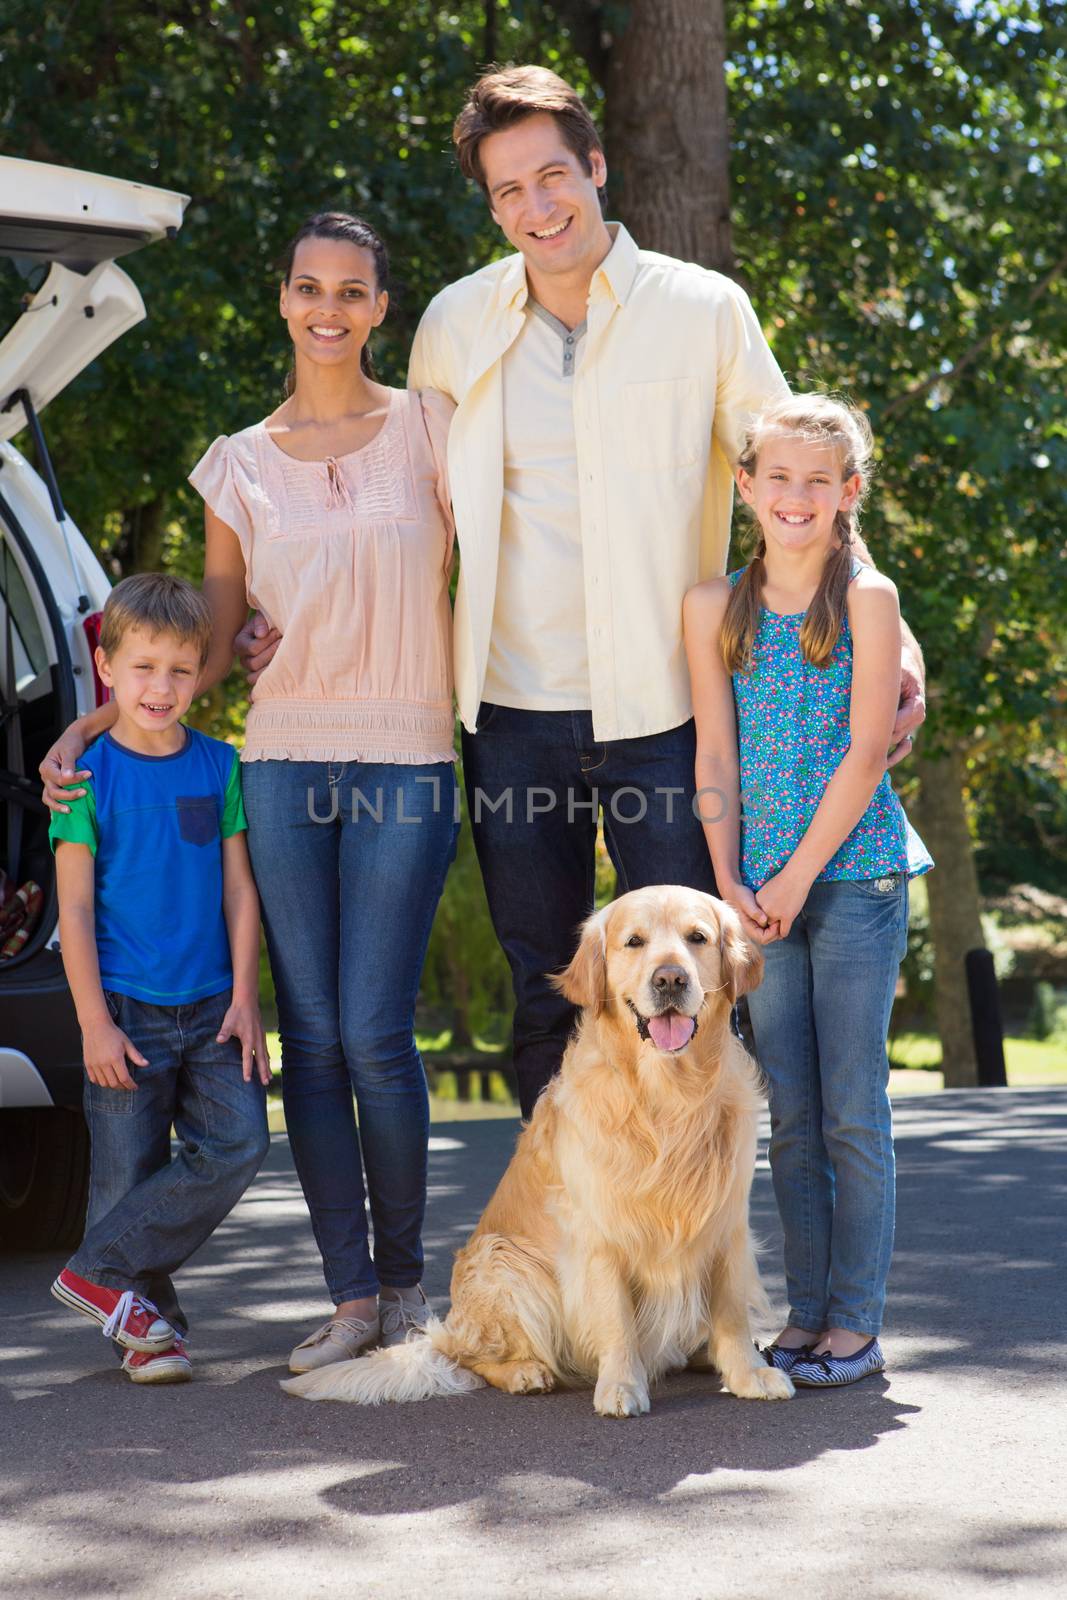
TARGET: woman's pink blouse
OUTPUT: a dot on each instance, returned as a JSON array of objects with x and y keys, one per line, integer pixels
[{"x": 349, "y": 559}]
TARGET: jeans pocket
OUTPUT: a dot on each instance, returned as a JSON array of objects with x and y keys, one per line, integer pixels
[
  {"x": 486, "y": 712},
  {"x": 113, "y": 1002},
  {"x": 880, "y": 889},
  {"x": 198, "y": 818},
  {"x": 111, "y": 1102}
]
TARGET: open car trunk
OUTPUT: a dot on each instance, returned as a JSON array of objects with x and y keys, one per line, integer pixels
[
  {"x": 37, "y": 700},
  {"x": 61, "y": 231}
]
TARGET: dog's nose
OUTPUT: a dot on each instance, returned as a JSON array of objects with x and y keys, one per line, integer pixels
[{"x": 669, "y": 980}]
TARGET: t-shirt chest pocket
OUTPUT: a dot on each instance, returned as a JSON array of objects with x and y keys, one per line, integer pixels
[{"x": 198, "y": 818}]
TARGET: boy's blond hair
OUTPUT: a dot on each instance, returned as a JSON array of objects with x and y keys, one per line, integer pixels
[{"x": 159, "y": 603}]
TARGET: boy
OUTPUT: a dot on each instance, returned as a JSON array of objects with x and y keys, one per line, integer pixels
[{"x": 159, "y": 924}]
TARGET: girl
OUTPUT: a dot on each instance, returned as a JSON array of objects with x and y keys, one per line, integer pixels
[
  {"x": 794, "y": 663},
  {"x": 332, "y": 517}
]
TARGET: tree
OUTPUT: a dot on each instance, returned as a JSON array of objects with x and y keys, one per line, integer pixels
[
  {"x": 897, "y": 213},
  {"x": 667, "y": 131},
  {"x": 898, "y": 194},
  {"x": 899, "y": 201}
]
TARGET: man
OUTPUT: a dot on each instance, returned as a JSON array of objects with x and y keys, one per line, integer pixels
[{"x": 601, "y": 394}]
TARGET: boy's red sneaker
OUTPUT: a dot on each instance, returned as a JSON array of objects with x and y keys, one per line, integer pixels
[
  {"x": 123, "y": 1315},
  {"x": 158, "y": 1366}
]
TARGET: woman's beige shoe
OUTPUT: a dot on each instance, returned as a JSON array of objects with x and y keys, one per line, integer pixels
[
  {"x": 402, "y": 1320},
  {"x": 337, "y": 1340}
]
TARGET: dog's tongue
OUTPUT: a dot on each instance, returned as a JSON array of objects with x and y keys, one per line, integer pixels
[{"x": 671, "y": 1031}]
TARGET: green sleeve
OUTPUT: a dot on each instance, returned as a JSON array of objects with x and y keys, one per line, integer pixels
[
  {"x": 233, "y": 806},
  {"x": 78, "y": 824}
]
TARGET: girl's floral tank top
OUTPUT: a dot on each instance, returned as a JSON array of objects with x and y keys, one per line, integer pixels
[{"x": 792, "y": 734}]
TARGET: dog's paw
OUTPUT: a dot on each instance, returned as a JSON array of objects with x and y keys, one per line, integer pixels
[
  {"x": 530, "y": 1377},
  {"x": 613, "y": 1399},
  {"x": 762, "y": 1383}
]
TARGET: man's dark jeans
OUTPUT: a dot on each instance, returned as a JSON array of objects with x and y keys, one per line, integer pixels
[{"x": 534, "y": 782}]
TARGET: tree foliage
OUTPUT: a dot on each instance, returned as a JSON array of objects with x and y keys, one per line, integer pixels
[
  {"x": 901, "y": 213},
  {"x": 262, "y": 114},
  {"x": 898, "y": 211}
]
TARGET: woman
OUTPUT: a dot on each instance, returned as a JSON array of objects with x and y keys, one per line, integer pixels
[{"x": 332, "y": 518}]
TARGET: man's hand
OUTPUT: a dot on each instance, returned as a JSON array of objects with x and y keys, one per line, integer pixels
[
  {"x": 255, "y": 645},
  {"x": 911, "y": 713},
  {"x": 104, "y": 1050},
  {"x": 755, "y": 924},
  {"x": 782, "y": 899},
  {"x": 59, "y": 770},
  {"x": 243, "y": 1021}
]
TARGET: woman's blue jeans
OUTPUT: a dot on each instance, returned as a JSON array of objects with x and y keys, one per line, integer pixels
[
  {"x": 820, "y": 1020},
  {"x": 350, "y": 859}
]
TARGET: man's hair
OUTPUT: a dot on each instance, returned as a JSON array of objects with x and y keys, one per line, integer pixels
[
  {"x": 159, "y": 603},
  {"x": 501, "y": 99}
]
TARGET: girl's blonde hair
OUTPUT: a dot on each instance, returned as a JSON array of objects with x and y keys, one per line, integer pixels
[{"x": 824, "y": 421}]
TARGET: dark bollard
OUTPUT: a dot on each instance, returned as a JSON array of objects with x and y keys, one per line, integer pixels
[{"x": 986, "y": 1024}]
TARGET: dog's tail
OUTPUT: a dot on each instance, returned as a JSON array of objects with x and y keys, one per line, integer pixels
[{"x": 417, "y": 1370}]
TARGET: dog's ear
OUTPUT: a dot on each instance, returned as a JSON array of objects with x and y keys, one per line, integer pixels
[
  {"x": 585, "y": 981},
  {"x": 742, "y": 962}
]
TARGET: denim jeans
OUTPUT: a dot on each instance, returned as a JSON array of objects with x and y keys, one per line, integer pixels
[
  {"x": 148, "y": 1211},
  {"x": 350, "y": 859},
  {"x": 820, "y": 1019},
  {"x": 538, "y": 855}
]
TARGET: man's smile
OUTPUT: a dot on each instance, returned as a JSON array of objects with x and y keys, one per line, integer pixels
[{"x": 553, "y": 232}]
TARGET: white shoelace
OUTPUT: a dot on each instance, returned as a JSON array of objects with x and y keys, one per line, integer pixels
[
  {"x": 406, "y": 1314},
  {"x": 128, "y": 1304},
  {"x": 351, "y": 1324}
]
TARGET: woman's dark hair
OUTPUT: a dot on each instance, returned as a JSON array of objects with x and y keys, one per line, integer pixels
[{"x": 349, "y": 230}]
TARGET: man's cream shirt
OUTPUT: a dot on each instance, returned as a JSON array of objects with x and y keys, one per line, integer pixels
[{"x": 674, "y": 364}]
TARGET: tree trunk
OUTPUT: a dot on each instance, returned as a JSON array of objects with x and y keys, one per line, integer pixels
[
  {"x": 140, "y": 544},
  {"x": 489, "y": 37},
  {"x": 955, "y": 921},
  {"x": 462, "y": 1037},
  {"x": 668, "y": 134}
]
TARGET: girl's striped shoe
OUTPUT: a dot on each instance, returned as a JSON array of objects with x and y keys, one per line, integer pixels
[
  {"x": 784, "y": 1359},
  {"x": 830, "y": 1372}
]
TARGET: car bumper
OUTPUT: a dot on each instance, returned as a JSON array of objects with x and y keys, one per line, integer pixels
[{"x": 40, "y": 1043}]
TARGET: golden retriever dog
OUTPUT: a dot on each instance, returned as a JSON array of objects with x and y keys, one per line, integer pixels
[{"x": 616, "y": 1246}]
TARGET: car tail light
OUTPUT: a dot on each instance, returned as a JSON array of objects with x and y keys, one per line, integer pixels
[{"x": 91, "y": 624}]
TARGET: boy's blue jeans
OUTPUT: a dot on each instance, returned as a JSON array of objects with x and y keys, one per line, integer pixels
[
  {"x": 148, "y": 1211},
  {"x": 820, "y": 1020},
  {"x": 350, "y": 859},
  {"x": 534, "y": 781}
]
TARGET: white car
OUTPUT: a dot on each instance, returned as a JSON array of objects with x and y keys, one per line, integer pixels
[{"x": 60, "y": 234}]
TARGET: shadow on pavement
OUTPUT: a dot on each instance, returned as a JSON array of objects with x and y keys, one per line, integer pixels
[{"x": 96, "y": 1472}]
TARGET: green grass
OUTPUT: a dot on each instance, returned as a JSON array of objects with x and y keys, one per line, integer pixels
[
  {"x": 445, "y": 1104},
  {"x": 914, "y": 1057},
  {"x": 1030, "y": 1062}
]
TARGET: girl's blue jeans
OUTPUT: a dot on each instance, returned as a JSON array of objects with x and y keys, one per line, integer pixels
[
  {"x": 350, "y": 859},
  {"x": 820, "y": 1020}
]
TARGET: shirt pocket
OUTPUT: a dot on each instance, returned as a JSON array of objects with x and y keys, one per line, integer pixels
[
  {"x": 198, "y": 818},
  {"x": 662, "y": 424}
]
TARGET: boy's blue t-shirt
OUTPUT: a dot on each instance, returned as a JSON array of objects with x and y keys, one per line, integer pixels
[{"x": 155, "y": 825}]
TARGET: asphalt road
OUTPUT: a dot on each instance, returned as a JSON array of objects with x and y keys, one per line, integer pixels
[{"x": 946, "y": 1478}]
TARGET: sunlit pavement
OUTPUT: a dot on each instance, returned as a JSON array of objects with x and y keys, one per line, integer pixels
[{"x": 946, "y": 1478}]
